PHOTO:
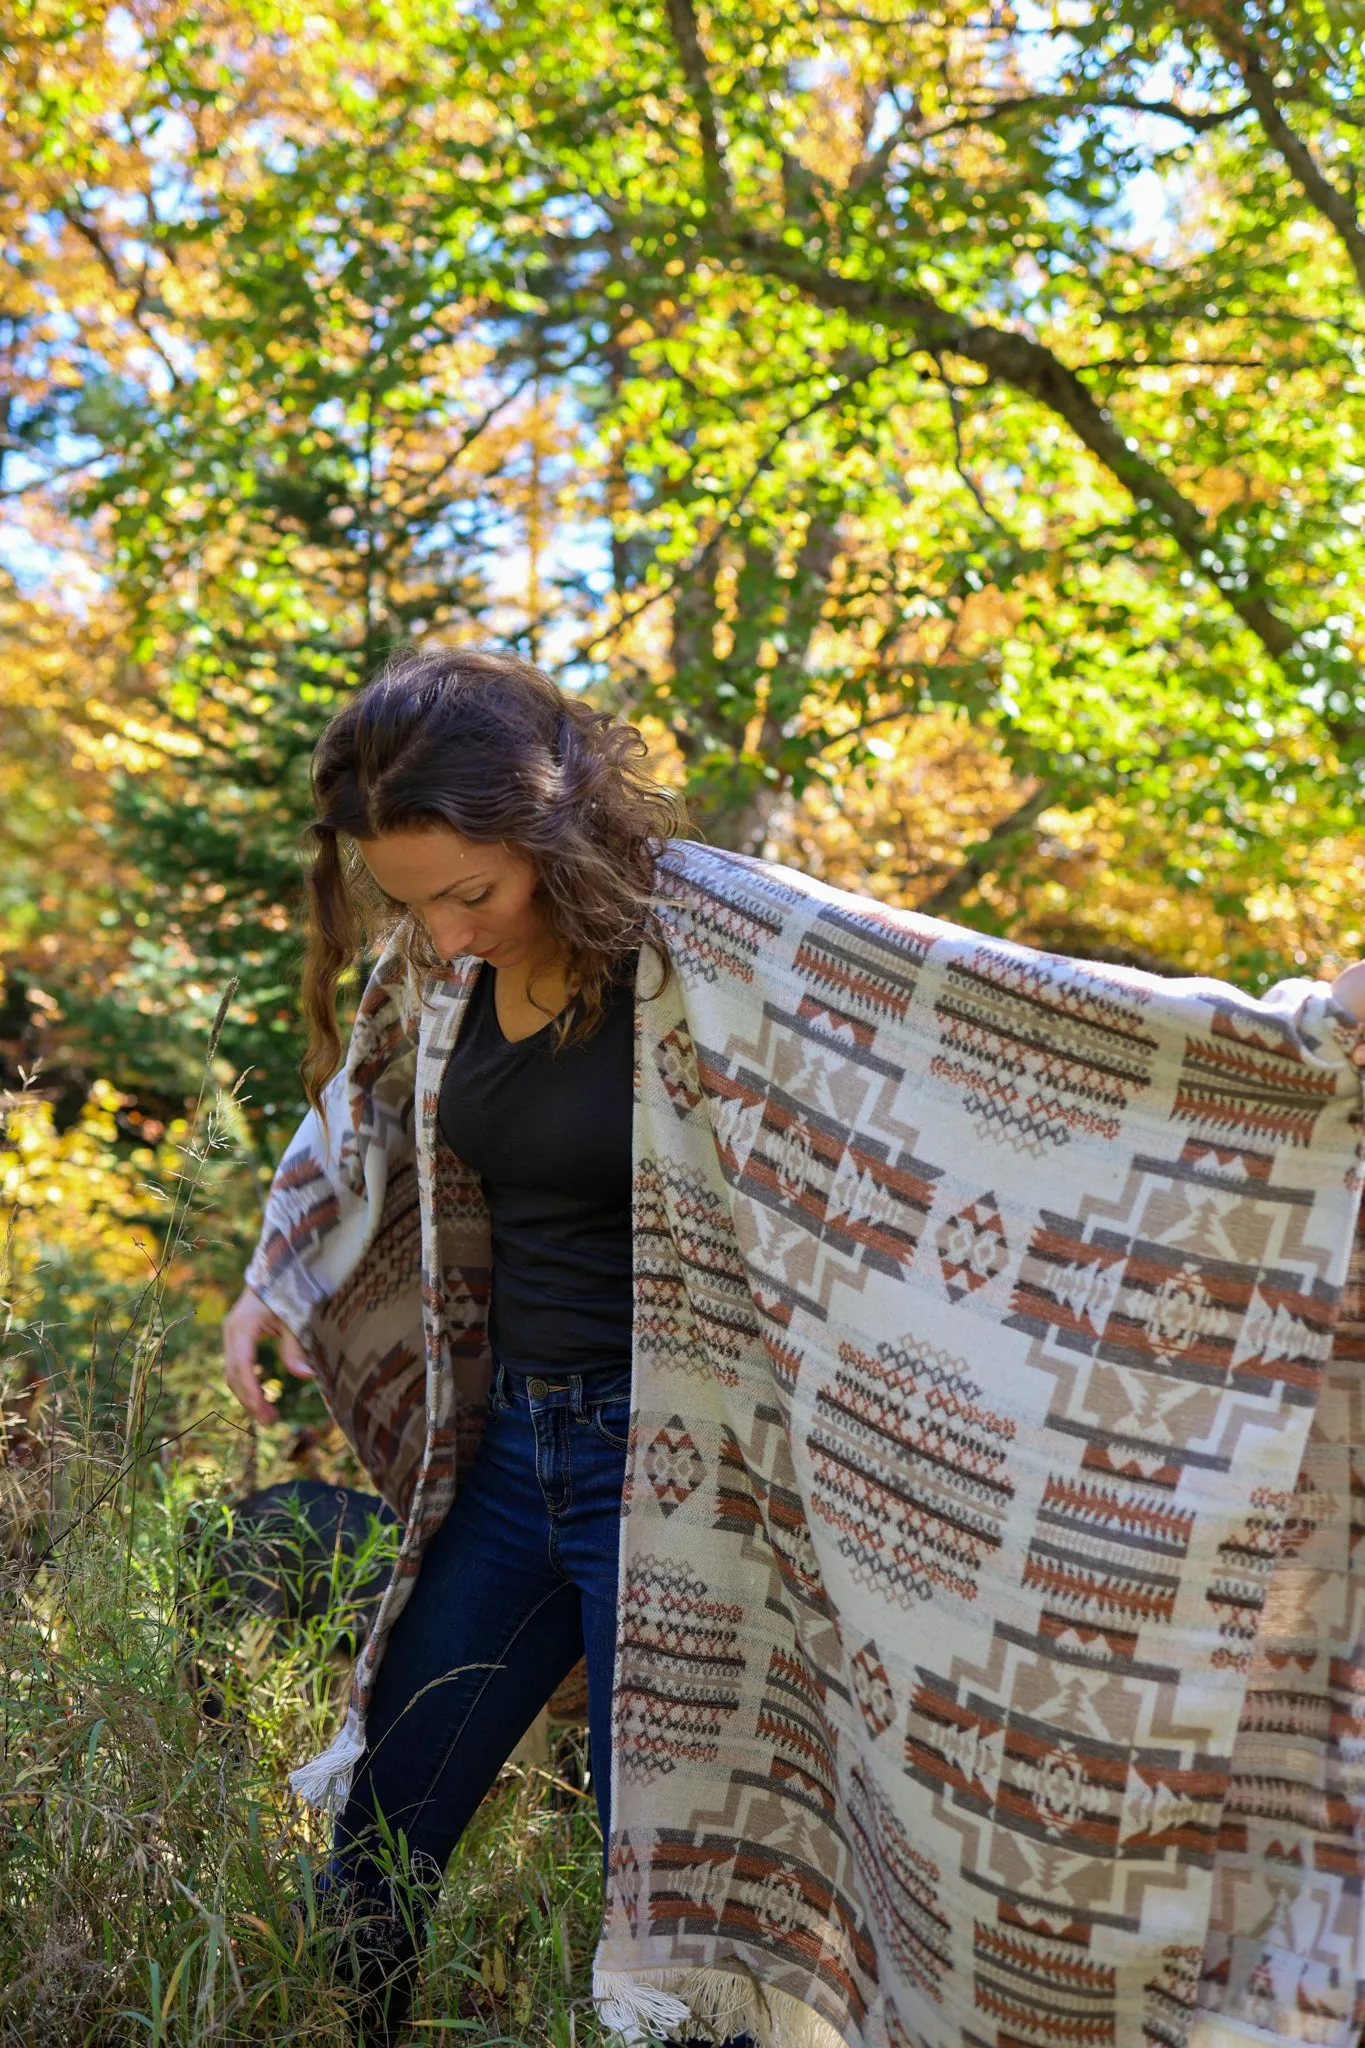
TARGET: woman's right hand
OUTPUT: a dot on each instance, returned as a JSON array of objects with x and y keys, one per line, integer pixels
[{"x": 245, "y": 1324}]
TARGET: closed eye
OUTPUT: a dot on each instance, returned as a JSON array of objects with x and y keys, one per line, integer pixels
[{"x": 395, "y": 903}]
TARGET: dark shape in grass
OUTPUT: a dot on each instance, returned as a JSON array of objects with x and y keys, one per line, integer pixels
[{"x": 300, "y": 1553}]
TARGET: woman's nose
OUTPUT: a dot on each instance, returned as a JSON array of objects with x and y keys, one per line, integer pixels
[{"x": 450, "y": 933}]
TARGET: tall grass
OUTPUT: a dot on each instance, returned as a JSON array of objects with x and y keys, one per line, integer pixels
[{"x": 157, "y": 1879}]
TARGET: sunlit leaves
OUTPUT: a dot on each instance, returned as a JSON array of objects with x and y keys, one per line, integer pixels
[{"x": 374, "y": 320}]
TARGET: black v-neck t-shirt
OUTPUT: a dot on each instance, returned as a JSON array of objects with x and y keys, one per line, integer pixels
[{"x": 548, "y": 1131}]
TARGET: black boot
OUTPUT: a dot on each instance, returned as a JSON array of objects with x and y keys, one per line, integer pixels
[
  {"x": 377, "y": 1957},
  {"x": 374, "y": 1953}
]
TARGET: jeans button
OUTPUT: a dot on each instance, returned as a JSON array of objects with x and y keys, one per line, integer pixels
[{"x": 537, "y": 1389}]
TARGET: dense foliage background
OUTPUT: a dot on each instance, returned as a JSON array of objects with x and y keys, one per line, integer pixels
[{"x": 943, "y": 430}]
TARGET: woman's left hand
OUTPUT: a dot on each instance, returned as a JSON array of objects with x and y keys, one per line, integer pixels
[{"x": 1349, "y": 990}]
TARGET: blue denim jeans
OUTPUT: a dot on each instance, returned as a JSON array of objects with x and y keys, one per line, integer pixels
[{"x": 516, "y": 1585}]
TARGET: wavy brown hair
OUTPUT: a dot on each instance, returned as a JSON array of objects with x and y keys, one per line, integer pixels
[{"x": 486, "y": 744}]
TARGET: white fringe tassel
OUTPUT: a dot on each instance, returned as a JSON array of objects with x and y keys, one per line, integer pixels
[
  {"x": 713, "y": 2004},
  {"x": 637, "y": 2012},
  {"x": 326, "y": 1780}
]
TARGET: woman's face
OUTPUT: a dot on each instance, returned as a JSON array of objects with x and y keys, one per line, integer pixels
[{"x": 473, "y": 897}]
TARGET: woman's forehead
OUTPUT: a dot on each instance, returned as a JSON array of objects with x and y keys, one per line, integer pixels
[{"x": 418, "y": 862}]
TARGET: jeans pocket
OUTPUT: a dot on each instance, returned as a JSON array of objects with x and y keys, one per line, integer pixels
[{"x": 611, "y": 1420}]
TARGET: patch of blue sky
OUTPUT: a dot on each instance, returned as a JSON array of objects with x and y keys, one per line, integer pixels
[
  {"x": 575, "y": 555},
  {"x": 1147, "y": 212},
  {"x": 28, "y": 474},
  {"x": 122, "y": 34},
  {"x": 64, "y": 575},
  {"x": 276, "y": 150}
]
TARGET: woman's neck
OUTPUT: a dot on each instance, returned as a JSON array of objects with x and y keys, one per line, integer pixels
[{"x": 528, "y": 995}]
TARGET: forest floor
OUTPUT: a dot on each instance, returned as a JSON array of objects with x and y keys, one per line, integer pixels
[{"x": 156, "y": 1875}]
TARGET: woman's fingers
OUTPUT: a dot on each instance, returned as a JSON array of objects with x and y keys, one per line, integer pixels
[
  {"x": 245, "y": 1382},
  {"x": 293, "y": 1357},
  {"x": 246, "y": 1322}
]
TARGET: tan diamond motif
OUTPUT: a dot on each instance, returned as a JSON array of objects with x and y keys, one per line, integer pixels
[
  {"x": 673, "y": 1465},
  {"x": 872, "y": 1689},
  {"x": 972, "y": 1247},
  {"x": 677, "y": 1065}
]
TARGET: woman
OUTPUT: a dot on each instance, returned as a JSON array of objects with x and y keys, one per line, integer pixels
[
  {"x": 495, "y": 821},
  {"x": 505, "y": 823}
]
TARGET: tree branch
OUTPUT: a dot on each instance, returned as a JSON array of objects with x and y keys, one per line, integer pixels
[
  {"x": 984, "y": 858},
  {"x": 682, "y": 19},
  {"x": 49, "y": 476},
  {"x": 426, "y": 485},
  {"x": 701, "y": 556},
  {"x": 77, "y": 219},
  {"x": 1028, "y": 366},
  {"x": 874, "y": 168},
  {"x": 1312, "y": 181},
  {"x": 960, "y": 462},
  {"x": 1073, "y": 104}
]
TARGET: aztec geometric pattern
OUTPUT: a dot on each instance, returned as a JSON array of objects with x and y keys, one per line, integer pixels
[
  {"x": 972, "y": 1247},
  {"x": 991, "y": 1660}
]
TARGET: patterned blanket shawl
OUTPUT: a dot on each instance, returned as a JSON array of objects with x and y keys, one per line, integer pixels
[{"x": 991, "y": 1667}]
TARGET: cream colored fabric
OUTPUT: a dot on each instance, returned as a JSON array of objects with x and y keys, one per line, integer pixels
[{"x": 985, "y": 1514}]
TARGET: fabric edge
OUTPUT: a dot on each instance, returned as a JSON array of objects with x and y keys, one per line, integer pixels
[
  {"x": 1215, "y": 2030},
  {"x": 643, "y": 2007}
]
